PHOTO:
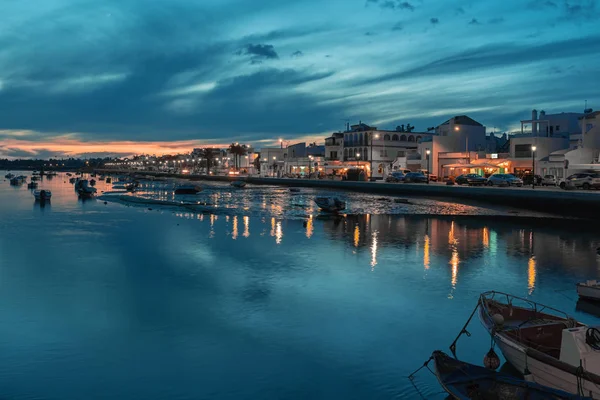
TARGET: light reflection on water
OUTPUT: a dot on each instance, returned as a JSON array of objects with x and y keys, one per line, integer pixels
[{"x": 147, "y": 302}]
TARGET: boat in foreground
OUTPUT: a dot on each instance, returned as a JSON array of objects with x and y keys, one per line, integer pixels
[
  {"x": 545, "y": 343},
  {"x": 462, "y": 380},
  {"x": 42, "y": 195},
  {"x": 330, "y": 204},
  {"x": 187, "y": 189},
  {"x": 589, "y": 290}
]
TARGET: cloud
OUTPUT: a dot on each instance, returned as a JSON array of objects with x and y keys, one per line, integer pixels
[
  {"x": 398, "y": 26},
  {"x": 434, "y": 21},
  {"x": 393, "y": 4},
  {"x": 297, "y": 54},
  {"x": 496, "y": 20},
  {"x": 264, "y": 51},
  {"x": 474, "y": 21}
]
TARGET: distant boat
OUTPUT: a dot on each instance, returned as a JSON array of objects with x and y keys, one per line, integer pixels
[
  {"x": 108, "y": 180},
  {"x": 467, "y": 381},
  {"x": 69, "y": 174},
  {"x": 330, "y": 204},
  {"x": 42, "y": 195},
  {"x": 9, "y": 176},
  {"x": 589, "y": 290},
  {"x": 93, "y": 182},
  {"x": 238, "y": 184},
  {"x": 32, "y": 185},
  {"x": 187, "y": 189},
  {"x": 294, "y": 190},
  {"x": 84, "y": 189},
  {"x": 72, "y": 180},
  {"x": 18, "y": 180}
]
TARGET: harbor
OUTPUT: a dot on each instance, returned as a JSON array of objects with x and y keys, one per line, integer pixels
[{"x": 259, "y": 273}]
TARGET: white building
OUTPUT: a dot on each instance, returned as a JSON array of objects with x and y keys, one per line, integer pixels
[
  {"x": 563, "y": 124},
  {"x": 272, "y": 161}
]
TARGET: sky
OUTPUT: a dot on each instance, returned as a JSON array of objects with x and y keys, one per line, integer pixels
[{"x": 116, "y": 77}]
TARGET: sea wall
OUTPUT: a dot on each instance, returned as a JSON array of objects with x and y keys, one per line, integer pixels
[{"x": 574, "y": 203}]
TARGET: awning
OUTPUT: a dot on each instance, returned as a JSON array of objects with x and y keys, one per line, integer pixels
[{"x": 459, "y": 166}]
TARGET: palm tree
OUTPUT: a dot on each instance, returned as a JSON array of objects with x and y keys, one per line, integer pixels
[
  {"x": 237, "y": 150},
  {"x": 209, "y": 155}
]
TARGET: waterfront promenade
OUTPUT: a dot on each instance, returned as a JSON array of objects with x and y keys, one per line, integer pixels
[{"x": 569, "y": 203}]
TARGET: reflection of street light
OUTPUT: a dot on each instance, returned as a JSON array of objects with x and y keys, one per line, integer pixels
[
  {"x": 428, "y": 152},
  {"x": 533, "y": 149}
]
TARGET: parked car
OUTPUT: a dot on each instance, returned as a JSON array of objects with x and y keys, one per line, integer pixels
[
  {"x": 528, "y": 179},
  {"x": 549, "y": 180},
  {"x": 395, "y": 177},
  {"x": 586, "y": 180},
  {"x": 470, "y": 179},
  {"x": 504, "y": 180},
  {"x": 415, "y": 177},
  {"x": 432, "y": 177}
]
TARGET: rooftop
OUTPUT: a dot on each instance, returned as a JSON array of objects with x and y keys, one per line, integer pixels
[{"x": 462, "y": 120}]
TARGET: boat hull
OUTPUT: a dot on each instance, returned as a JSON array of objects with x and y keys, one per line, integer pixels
[{"x": 589, "y": 292}]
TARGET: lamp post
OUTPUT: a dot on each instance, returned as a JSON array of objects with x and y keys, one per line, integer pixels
[
  {"x": 428, "y": 152},
  {"x": 357, "y": 157},
  {"x": 274, "y": 165},
  {"x": 281, "y": 143},
  {"x": 376, "y": 137},
  {"x": 310, "y": 159},
  {"x": 533, "y": 148}
]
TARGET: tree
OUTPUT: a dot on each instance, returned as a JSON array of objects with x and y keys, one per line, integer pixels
[
  {"x": 256, "y": 163},
  {"x": 237, "y": 150},
  {"x": 209, "y": 155}
]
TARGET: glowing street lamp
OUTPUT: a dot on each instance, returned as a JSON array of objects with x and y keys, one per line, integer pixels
[
  {"x": 357, "y": 158},
  {"x": 428, "y": 152},
  {"x": 533, "y": 149}
]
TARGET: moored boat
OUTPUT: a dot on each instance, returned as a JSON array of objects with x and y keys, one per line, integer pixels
[
  {"x": 544, "y": 343},
  {"x": 330, "y": 204},
  {"x": 108, "y": 179},
  {"x": 84, "y": 189},
  {"x": 9, "y": 176},
  {"x": 18, "y": 180},
  {"x": 462, "y": 380},
  {"x": 42, "y": 195},
  {"x": 72, "y": 180},
  {"x": 93, "y": 182},
  {"x": 32, "y": 185},
  {"x": 589, "y": 290},
  {"x": 187, "y": 189},
  {"x": 238, "y": 184}
]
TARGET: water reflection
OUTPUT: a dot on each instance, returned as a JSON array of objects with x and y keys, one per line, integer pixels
[
  {"x": 246, "y": 226},
  {"x": 531, "y": 273}
]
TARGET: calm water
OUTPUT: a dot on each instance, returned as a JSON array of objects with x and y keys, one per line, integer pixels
[{"x": 260, "y": 297}]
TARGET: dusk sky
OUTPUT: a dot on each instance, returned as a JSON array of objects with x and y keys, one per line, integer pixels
[{"x": 122, "y": 76}]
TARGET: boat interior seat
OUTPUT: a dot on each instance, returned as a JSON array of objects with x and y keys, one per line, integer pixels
[{"x": 543, "y": 338}]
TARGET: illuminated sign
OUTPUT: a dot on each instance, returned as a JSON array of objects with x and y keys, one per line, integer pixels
[{"x": 494, "y": 155}]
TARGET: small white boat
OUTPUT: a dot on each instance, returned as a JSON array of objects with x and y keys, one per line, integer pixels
[
  {"x": 32, "y": 185},
  {"x": 545, "y": 344},
  {"x": 330, "y": 204},
  {"x": 42, "y": 195},
  {"x": 187, "y": 189},
  {"x": 589, "y": 290},
  {"x": 238, "y": 184}
]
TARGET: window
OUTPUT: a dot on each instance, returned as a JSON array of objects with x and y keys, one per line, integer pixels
[
  {"x": 395, "y": 138},
  {"x": 560, "y": 172},
  {"x": 386, "y": 137},
  {"x": 360, "y": 139},
  {"x": 544, "y": 170},
  {"x": 557, "y": 128},
  {"x": 383, "y": 153},
  {"x": 333, "y": 155},
  {"x": 401, "y": 153},
  {"x": 403, "y": 138},
  {"x": 411, "y": 138},
  {"x": 419, "y": 139},
  {"x": 523, "y": 151}
]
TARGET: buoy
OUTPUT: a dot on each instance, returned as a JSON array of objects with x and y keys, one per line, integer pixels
[
  {"x": 527, "y": 375},
  {"x": 498, "y": 319},
  {"x": 491, "y": 360},
  {"x": 105, "y": 203}
]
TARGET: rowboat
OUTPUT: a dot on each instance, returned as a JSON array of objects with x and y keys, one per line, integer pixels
[
  {"x": 462, "y": 380},
  {"x": 589, "y": 290},
  {"x": 187, "y": 189},
  {"x": 552, "y": 348},
  {"x": 42, "y": 195},
  {"x": 238, "y": 184},
  {"x": 330, "y": 204}
]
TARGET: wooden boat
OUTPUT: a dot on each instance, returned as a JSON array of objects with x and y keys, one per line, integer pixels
[
  {"x": 330, "y": 204},
  {"x": 462, "y": 380},
  {"x": 42, "y": 195},
  {"x": 238, "y": 184},
  {"x": 552, "y": 347},
  {"x": 187, "y": 189},
  {"x": 589, "y": 290}
]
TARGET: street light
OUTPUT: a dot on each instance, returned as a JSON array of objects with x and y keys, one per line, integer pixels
[
  {"x": 281, "y": 143},
  {"x": 428, "y": 152},
  {"x": 533, "y": 149},
  {"x": 376, "y": 137},
  {"x": 357, "y": 157},
  {"x": 310, "y": 165}
]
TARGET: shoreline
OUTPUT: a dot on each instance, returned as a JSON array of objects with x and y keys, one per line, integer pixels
[{"x": 561, "y": 203}]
